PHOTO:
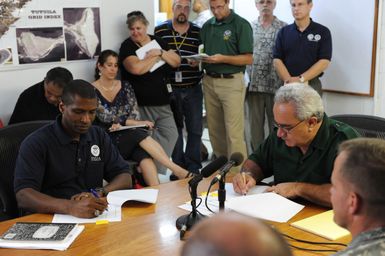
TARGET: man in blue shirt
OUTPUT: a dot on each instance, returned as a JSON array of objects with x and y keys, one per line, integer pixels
[
  {"x": 303, "y": 50},
  {"x": 59, "y": 164}
]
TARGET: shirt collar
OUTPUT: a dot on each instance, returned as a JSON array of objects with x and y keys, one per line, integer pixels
[
  {"x": 367, "y": 236},
  {"x": 322, "y": 137},
  {"x": 311, "y": 24},
  {"x": 226, "y": 20},
  {"x": 64, "y": 137}
]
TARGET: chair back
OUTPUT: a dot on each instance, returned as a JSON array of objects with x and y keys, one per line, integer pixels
[
  {"x": 365, "y": 125},
  {"x": 11, "y": 137}
]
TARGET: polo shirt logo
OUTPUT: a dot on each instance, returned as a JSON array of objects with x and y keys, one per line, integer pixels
[
  {"x": 226, "y": 35},
  {"x": 314, "y": 38},
  {"x": 95, "y": 151}
]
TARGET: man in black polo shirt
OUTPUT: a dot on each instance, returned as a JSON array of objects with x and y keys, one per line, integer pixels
[
  {"x": 303, "y": 50},
  {"x": 59, "y": 164},
  {"x": 186, "y": 100},
  {"x": 40, "y": 101}
]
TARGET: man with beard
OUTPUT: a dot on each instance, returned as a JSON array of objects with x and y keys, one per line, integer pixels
[
  {"x": 186, "y": 100},
  {"x": 59, "y": 164}
]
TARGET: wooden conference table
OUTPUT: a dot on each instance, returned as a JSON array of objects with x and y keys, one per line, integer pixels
[{"x": 148, "y": 229}]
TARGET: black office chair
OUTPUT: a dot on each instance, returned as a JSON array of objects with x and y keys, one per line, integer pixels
[
  {"x": 11, "y": 137},
  {"x": 366, "y": 126}
]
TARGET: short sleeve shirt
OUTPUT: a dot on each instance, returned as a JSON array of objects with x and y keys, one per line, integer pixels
[
  {"x": 264, "y": 77},
  {"x": 151, "y": 87},
  {"x": 49, "y": 161},
  {"x": 288, "y": 164},
  {"x": 231, "y": 36},
  {"x": 184, "y": 45},
  {"x": 301, "y": 50}
]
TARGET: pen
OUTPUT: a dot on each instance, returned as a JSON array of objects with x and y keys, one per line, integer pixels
[
  {"x": 244, "y": 181},
  {"x": 96, "y": 195}
]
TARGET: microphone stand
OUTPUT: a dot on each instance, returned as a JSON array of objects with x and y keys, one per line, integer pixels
[
  {"x": 185, "y": 222},
  {"x": 222, "y": 193}
]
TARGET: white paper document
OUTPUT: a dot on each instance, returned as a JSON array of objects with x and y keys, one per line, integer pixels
[
  {"x": 212, "y": 199},
  {"x": 50, "y": 245},
  {"x": 125, "y": 127},
  {"x": 142, "y": 51},
  {"x": 268, "y": 206},
  {"x": 196, "y": 57},
  {"x": 115, "y": 200}
]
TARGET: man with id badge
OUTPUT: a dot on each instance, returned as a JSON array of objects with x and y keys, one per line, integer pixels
[{"x": 186, "y": 100}]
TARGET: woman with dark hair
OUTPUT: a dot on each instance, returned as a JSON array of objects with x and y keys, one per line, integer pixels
[
  {"x": 118, "y": 107},
  {"x": 150, "y": 86}
]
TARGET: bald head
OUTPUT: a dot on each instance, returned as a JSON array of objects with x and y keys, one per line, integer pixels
[{"x": 235, "y": 235}]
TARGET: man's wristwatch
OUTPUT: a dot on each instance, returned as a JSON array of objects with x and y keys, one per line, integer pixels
[
  {"x": 301, "y": 79},
  {"x": 101, "y": 191}
]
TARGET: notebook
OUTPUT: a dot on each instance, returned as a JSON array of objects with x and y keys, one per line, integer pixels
[{"x": 322, "y": 225}]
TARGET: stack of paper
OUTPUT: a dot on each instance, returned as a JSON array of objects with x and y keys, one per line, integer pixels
[
  {"x": 322, "y": 225},
  {"x": 31, "y": 235},
  {"x": 115, "y": 200},
  {"x": 268, "y": 206},
  {"x": 142, "y": 51}
]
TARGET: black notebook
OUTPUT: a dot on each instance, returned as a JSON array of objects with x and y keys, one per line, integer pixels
[{"x": 35, "y": 231}]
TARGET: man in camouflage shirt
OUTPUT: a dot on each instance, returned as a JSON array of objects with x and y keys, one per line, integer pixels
[{"x": 358, "y": 195}]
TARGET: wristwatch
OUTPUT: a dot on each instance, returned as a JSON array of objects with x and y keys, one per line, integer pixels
[
  {"x": 101, "y": 191},
  {"x": 301, "y": 79}
]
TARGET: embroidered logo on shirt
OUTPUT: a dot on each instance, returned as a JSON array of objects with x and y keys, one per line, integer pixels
[
  {"x": 95, "y": 151},
  {"x": 314, "y": 38},
  {"x": 226, "y": 35}
]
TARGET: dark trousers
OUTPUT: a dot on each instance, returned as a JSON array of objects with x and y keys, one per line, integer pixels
[{"x": 186, "y": 104}]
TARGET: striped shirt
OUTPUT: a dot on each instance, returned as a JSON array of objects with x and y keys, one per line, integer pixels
[{"x": 185, "y": 45}]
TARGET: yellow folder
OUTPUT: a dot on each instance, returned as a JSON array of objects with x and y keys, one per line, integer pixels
[{"x": 322, "y": 225}]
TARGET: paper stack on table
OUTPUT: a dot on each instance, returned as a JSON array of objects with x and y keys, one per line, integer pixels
[
  {"x": 115, "y": 200},
  {"x": 322, "y": 225}
]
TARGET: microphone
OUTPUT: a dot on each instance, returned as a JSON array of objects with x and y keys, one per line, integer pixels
[
  {"x": 185, "y": 222},
  {"x": 235, "y": 160},
  {"x": 209, "y": 169}
]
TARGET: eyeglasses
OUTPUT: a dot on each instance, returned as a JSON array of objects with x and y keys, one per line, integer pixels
[
  {"x": 135, "y": 13},
  {"x": 287, "y": 128},
  {"x": 217, "y": 8},
  {"x": 180, "y": 7},
  {"x": 268, "y": 2}
]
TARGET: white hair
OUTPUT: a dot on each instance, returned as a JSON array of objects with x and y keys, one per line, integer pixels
[{"x": 306, "y": 100}]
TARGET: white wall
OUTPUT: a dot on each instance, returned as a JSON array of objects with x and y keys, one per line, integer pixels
[
  {"x": 113, "y": 31},
  {"x": 336, "y": 103}
]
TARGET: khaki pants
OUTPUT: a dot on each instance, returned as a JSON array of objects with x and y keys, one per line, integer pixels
[{"x": 224, "y": 101}]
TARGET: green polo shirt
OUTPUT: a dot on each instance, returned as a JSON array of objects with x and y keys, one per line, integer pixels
[
  {"x": 231, "y": 36},
  {"x": 288, "y": 164}
]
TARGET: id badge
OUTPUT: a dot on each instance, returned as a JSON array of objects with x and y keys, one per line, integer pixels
[
  {"x": 178, "y": 76},
  {"x": 169, "y": 88}
]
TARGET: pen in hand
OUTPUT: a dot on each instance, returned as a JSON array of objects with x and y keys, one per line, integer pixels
[
  {"x": 244, "y": 182},
  {"x": 96, "y": 195}
]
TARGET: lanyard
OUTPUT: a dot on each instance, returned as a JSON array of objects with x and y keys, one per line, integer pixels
[{"x": 176, "y": 43}]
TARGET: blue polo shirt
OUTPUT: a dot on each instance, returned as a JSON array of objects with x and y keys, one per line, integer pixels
[
  {"x": 51, "y": 162},
  {"x": 301, "y": 50}
]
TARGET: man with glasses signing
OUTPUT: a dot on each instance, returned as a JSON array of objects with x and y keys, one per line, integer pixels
[
  {"x": 228, "y": 40},
  {"x": 300, "y": 152}
]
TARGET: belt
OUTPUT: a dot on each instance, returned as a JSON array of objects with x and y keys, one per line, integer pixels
[{"x": 219, "y": 75}]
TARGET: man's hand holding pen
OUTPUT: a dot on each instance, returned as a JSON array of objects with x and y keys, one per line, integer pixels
[{"x": 88, "y": 204}]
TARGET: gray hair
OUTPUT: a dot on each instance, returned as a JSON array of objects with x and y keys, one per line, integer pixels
[
  {"x": 306, "y": 100},
  {"x": 135, "y": 16},
  {"x": 364, "y": 168}
]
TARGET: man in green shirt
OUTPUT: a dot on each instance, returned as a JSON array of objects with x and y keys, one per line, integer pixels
[
  {"x": 228, "y": 40},
  {"x": 300, "y": 152}
]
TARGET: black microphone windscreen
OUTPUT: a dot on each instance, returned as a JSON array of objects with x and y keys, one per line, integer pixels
[
  {"x": 213, "y": 166},
  {"x": 237, "y": 158}
]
